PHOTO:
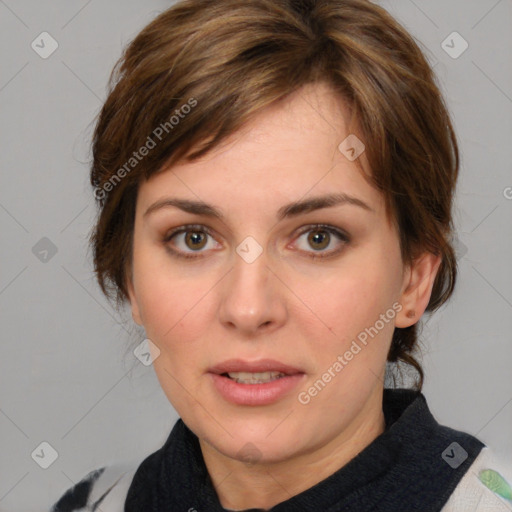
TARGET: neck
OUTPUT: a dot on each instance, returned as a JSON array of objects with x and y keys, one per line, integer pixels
[{"x": 241, "y": 486}]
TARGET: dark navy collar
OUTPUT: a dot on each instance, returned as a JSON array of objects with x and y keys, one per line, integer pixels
[{"x": 408, "y": 467}]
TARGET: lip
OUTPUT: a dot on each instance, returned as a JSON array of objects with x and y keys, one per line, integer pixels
[
  {"x": 261, "y": 365},
  {"x": 255, "y": 394}
]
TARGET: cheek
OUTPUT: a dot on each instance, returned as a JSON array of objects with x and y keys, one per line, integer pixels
[
  {"x": 172, "y": 309},
  {"x": 175, "y": 313},
  {"x": 173, "y": 305},
  {"x": 347, "y": 299},
  {"x": 347, "y": 305}
]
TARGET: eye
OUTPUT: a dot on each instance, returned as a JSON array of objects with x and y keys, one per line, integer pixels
[
  {"x": 193, "y": 237},
  {"x": 319, "y": 237}
]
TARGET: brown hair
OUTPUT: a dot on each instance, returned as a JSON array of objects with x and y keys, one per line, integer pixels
[{"x": 228, "y": 59}]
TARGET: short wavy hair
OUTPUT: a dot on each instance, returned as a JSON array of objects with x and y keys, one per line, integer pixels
[{"x": 220, "y": 62}]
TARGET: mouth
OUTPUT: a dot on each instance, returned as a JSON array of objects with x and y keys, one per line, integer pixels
[
  {"x": 259, "y": 382},
  {"x": 262, "y": 370},
  {"x": 253, "y": 378}
]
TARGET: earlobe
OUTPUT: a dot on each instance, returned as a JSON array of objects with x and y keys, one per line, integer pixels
[
  {"x": 417, "y": 287},
  {"x": 133, "y": 302}
]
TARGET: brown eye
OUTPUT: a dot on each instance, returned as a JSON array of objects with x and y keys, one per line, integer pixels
[
  {"x": 188, "y": 241},
  {"x": 321, "y": 237},
  {"x": 195, "y": 239}
]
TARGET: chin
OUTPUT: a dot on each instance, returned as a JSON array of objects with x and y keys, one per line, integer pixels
[
  {"x": 260, "y": 449},
  {"x": 253, "y": 453}
]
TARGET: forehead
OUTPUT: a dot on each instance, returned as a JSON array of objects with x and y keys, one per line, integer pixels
[{"x": 286, "y": 152}]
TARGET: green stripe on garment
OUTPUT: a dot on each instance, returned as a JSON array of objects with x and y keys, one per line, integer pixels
[{"x": 496, "y": 483}]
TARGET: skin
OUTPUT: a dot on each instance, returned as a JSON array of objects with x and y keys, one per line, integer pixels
[{"x": 285, "y": 305}]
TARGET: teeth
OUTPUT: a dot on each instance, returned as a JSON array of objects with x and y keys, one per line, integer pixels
[{"x": 255, "y": 378}]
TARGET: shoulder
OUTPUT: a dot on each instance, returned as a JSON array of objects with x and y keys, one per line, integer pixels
[
  {"x": 485, "y": 487},
  {"x": 101, "y": 489}
]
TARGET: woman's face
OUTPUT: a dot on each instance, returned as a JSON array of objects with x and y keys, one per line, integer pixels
[{"x": 264, "y": 282}]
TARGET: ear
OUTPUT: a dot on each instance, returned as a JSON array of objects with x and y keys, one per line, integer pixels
[
  {"x": 133, "y": 300},
  {"x": 417, "y": 287}
]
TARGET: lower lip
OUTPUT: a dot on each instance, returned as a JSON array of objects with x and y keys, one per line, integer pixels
[{"x": 255, "y": 394}]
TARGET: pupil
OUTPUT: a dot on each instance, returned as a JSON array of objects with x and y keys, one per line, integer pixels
[
  {"x": 317, "y": 238},
  {"x": 195, "y": 238}
]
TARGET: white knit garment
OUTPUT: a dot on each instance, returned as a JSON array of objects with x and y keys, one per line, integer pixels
[{"x": 471, "y": 495}]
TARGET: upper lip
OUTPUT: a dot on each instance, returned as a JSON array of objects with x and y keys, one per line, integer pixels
[{"x": 261, "y": 365}]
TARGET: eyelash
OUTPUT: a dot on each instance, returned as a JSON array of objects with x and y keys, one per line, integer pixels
[{"x": 203, "y": 229}]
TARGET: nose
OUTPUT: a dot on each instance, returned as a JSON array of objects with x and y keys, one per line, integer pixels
[{"x": 253, "y": 298}]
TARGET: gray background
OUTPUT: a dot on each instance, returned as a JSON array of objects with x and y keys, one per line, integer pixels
[{"x": 66, "y": 376}]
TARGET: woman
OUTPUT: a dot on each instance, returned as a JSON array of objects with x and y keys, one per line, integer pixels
[{"x": 275, "y": 182}]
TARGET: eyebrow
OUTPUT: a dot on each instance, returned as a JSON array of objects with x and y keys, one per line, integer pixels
[{"x": 289, "y": 210}]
